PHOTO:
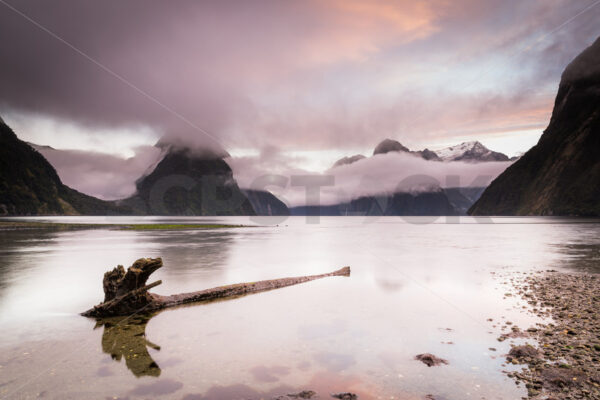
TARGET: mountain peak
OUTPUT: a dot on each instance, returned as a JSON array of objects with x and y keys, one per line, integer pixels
[
  {"x": 389, "y": 145},
  {"x": 473, "y": 144},
  {"x": 189, "y": 181},
  {"x": 583, "y": 67},
  {"x": 581, "y": 75},
  {"x": 472, "y": 151},
  {"x": 428, "y": 155},
  {"x": 348, "y": 160},
  {"x": 205, "y": 151}
]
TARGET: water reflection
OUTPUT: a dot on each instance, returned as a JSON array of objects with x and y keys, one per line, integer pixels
[
  {"x": 192, "y": 259},
  {"x": 11, "y": 243},
  {"x": 358, "y": 335},
  {"x": 238, "y": 391},
  {"x": 47, "y": 272},
  {"x": 125, "y": 337},
  {"x": 191, "y": 250},
  {"x": 584, "y": 257}
]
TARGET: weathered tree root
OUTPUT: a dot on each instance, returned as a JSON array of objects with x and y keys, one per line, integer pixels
[{"x": 126, "y": 293}]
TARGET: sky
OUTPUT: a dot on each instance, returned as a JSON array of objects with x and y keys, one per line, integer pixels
[{"x": 301, "y": 83}]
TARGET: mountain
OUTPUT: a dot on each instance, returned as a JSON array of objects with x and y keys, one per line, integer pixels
[
  {"x": 399, "y": 204},
  {"x": 428, "y": 155},
  {"x": 29, "y": 185},
  {"x": 462, "y": 198},
  {"x": 189, "y": 182},
  {"x": 389, "y": 145},
  {"x": 348, "y": 160},
  {"x": 470, "y": 151},
  {"x": 561, "y": 174},
  {"x": 265, "y": 203}
]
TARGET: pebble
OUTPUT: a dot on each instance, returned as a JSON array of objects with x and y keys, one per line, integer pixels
[{"x": 564, "y": 364}]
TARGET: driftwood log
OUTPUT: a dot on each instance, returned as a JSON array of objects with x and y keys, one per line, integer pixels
[{"x": 126, "y": 293}]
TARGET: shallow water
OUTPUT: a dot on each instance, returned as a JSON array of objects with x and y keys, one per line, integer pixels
[{"x": 416, "y": 287}]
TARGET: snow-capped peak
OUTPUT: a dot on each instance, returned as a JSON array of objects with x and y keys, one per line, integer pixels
[{"x": 470, "y": 151}]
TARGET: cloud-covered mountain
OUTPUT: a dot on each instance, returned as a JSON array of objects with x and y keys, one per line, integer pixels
[
  {"x": 348, "y": 160},
  {"x": 427, "y": 191},
  {"x": 189, "y": 182},
  {"x": 380, "y": 175},
  {"x": 175, "y": 182},
  {"x": 184, "y": 181},
  {"x": 468, "y": 151},
  {"x": 561, "y": 174}
]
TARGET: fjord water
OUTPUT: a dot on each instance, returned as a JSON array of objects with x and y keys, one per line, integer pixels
[{"x": 417, "y": 286}]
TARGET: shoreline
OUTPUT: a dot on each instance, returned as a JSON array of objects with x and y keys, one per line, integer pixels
[
  {"x": 564, "y": 361},
  {"x": 30, "y": 225}
]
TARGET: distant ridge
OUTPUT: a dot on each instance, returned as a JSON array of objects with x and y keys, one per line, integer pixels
[
  {"x": 432, "y": 203},
  {"x": 266, "y": 203},
  {"x": 468, "y": 151}
]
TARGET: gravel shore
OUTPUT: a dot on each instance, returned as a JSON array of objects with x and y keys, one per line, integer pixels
[{"x": 562, "y": 357}]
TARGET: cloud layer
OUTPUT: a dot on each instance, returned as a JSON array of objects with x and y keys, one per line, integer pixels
[
  {"x": 101, "y": 175},
  {"x": 381, "y": 174},
  {"x": 304, "y": 75}
]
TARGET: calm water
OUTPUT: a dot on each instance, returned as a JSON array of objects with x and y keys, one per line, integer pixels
[{"x": 415, "y": 287}]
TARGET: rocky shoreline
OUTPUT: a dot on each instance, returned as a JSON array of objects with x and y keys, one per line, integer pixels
[{"x": 563, "y": 359}]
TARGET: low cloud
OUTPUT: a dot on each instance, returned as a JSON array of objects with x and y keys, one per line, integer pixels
[
  {"x": 101, "y": 175},
  {"x": 111, "y": 177},
  {"x": 377, "y": 175}
]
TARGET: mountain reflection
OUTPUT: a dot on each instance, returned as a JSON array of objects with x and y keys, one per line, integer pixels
[
  {"x": 12, "y": 242},
  {"x": 180, "y": 250},
  {"x": 125, "y": 337},
  {"x": 584, "y": 257}
]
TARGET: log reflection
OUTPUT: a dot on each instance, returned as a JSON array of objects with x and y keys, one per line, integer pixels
[{"x": 125, "y": 337}]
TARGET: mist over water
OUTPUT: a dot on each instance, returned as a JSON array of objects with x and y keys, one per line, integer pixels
[{"x": 414, "y": 288}]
